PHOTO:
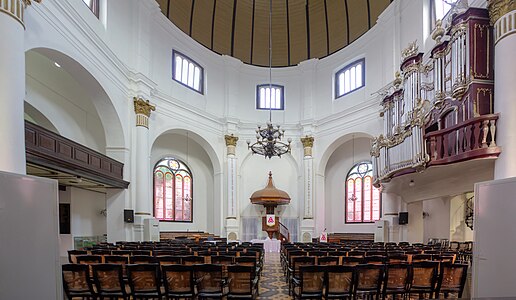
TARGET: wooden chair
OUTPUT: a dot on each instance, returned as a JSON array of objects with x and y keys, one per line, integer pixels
[
  {"x": 242, "y": 282},
  {"x": 310, "y": 283},
  {"x": 375, "y": 260},
  {"x": 339, "y": 282},
  {"x": 421, "y": 257},
  {"x": 162, "y": 252},
  {"x": 178, "y": 281},
  {"x": 351, "y": 261},
  {"x": 77, "y": 281},
  {"x": 297, "y": 262},
  {"x": 89, "y": 260},
  {"x": 109, "y": 281},
  {"x": 144, "y": 280},
  {"x": 397, "y": 280},
  {"x": 141, "y": 252},
  {"x": 210, "y": 281},
  {"x": 424, "y": 278},
  {"x": 169, "y": 260},
  {"x": 328, "y": 260},
  {"x": 368, "y": 281},
  {"x": 452, "y": 278},
  {"x": 192, "y": 260},
  {"x": 249, "y": 261},
  {"x": 142, "y": 259},
  {"x": 73, "y": 253}
]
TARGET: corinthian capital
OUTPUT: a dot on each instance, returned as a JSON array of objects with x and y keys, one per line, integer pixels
[
  {"x": 498, "y": 8},
  {"x": 143, "y": 107}
]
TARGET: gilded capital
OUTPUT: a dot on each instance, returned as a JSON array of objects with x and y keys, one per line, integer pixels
[
  {"x": 231, "y": 140},
  {"x": 308, "y": 141},
  {"x": 142, "y": 107},
  {"x": 28, "y": 2},
  {"x": 498, "y": 8}
]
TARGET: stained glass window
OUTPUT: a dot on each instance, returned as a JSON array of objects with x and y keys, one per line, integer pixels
[
  {"x": 363, "y": 200},
  {"x": 172, "y": 191}
]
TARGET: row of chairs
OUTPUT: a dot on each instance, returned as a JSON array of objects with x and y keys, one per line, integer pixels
[
  {"x": 151, "y": 281},
  {"x": 373, "y": 281}
]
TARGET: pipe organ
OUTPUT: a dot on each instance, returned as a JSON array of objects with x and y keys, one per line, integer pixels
[{"x": 440, "y": 110}]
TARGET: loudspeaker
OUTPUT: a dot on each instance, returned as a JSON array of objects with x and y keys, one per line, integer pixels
[
  {"x": 128, "y": 215},
  {"x": 403, "y": 218}
]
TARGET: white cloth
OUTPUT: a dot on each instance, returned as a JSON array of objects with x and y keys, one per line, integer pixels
[{"x": 273, "y": 245}]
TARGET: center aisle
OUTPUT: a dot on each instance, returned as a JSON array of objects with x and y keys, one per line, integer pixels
[{"x": 272, "y": 282}]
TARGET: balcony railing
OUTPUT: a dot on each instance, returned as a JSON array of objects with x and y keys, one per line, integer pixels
[{"x": 475, "y": 138}]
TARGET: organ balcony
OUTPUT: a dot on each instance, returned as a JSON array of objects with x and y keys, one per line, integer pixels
[{"x": 439, "y": 110}]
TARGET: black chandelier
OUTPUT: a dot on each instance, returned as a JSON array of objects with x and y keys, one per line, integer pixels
[{"x": 268, "y": 139}]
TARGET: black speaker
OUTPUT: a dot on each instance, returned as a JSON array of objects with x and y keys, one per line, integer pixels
[
  {"x": 403, "y": 218},
  {"x": 128, "y": 215}
]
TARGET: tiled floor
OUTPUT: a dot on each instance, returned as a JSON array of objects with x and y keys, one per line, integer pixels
[{"x": 272, "y": 282}]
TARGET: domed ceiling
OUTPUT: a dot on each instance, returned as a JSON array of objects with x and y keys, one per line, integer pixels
[{"x": 301, "y": 29}]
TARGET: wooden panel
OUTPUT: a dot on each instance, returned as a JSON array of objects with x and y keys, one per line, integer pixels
[
  {"x": 95, "y": 161},
  {"x": 222, "y": 26},
  {"x": 261, "y": 34},
  {"x": 318, "y": 45},
  {"x": 47, "y": 142},
  {"x": 279, "y": 34},
  {"x": 358, "y": 18},
  {"x": 202, "y": 21},
  {"x": 163, "y": 4},
  {"x": 243, "y": 30},
  {"x": 80, "y": 155},
  {"x": 30, "y": 137},
  {"x": 376, "y": 7},
  {"x": 337, "y": 24},
  {"x": 64, "y": 149},
  {"x": 180, "y": 13},
  {"x": 106, "y": 165},
  {"x": 61, "y": 154},
  {"x": 298, "y": 37}
]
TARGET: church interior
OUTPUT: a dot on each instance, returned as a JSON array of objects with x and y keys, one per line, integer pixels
[{"x": 334, "y": 128}]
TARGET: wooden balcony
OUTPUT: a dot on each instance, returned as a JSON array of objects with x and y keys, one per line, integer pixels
[{"x": 472, "y": 139}]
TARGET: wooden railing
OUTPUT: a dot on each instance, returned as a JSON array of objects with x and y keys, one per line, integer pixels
[
  {"x": 284, "y": 232},
  {"x": 475, "y": 138}
]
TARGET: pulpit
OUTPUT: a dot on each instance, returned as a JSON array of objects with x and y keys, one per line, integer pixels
[{"x": 270, "y": 197}]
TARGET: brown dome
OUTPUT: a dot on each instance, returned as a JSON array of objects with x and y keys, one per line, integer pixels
[{"x": 270, "y": 195}]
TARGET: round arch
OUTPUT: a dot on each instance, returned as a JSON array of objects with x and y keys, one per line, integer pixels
[
  {"x": 336, "y": 144},
  {"x": 104, "y": 105},
  {"x": 198, "y": 138}
]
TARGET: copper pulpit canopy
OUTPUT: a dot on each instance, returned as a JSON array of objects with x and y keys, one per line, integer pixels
[{"x": 270, "y": 195}]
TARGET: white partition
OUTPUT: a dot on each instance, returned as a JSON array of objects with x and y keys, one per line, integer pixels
[
  {"x": 29, "y": 243},
  {"x": 494, "y": 239}
]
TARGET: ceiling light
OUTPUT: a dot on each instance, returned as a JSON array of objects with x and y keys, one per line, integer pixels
[{"x": 57, "y": 65}]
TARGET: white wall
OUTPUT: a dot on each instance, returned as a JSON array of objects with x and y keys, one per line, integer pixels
[
  {"x": 204, "y": 206},
  {"x": 437, "y": 223},
  {"x": 337, "y": 169},
  {"x": 63, "y": 100},
  {"x": 415, "y": 223},
  {"x": 85, "y": 208}
]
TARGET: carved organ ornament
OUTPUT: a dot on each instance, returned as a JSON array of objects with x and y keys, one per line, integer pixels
[{"x": 440, "y": 110}]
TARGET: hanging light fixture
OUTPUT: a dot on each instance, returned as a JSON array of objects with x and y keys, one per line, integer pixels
[{"x": 268, "y": 139}]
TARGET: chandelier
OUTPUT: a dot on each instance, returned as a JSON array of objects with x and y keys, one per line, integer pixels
[{"x": 268, "y": 139}]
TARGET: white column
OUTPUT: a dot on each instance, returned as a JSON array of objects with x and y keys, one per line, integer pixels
[
  {"x": 390, "y": 209},
  {"x": 307, "y": 224},
  {"x": 12, "y": 86},
  {"x": 503, "y": 16},
  {"x": 232, "y": 227},
  {"x": 143, "y": 203}
]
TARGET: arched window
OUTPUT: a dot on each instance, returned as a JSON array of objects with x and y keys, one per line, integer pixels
[
  {"x": 172, "y": 191},
  {"x": 363, "y": 200}
]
